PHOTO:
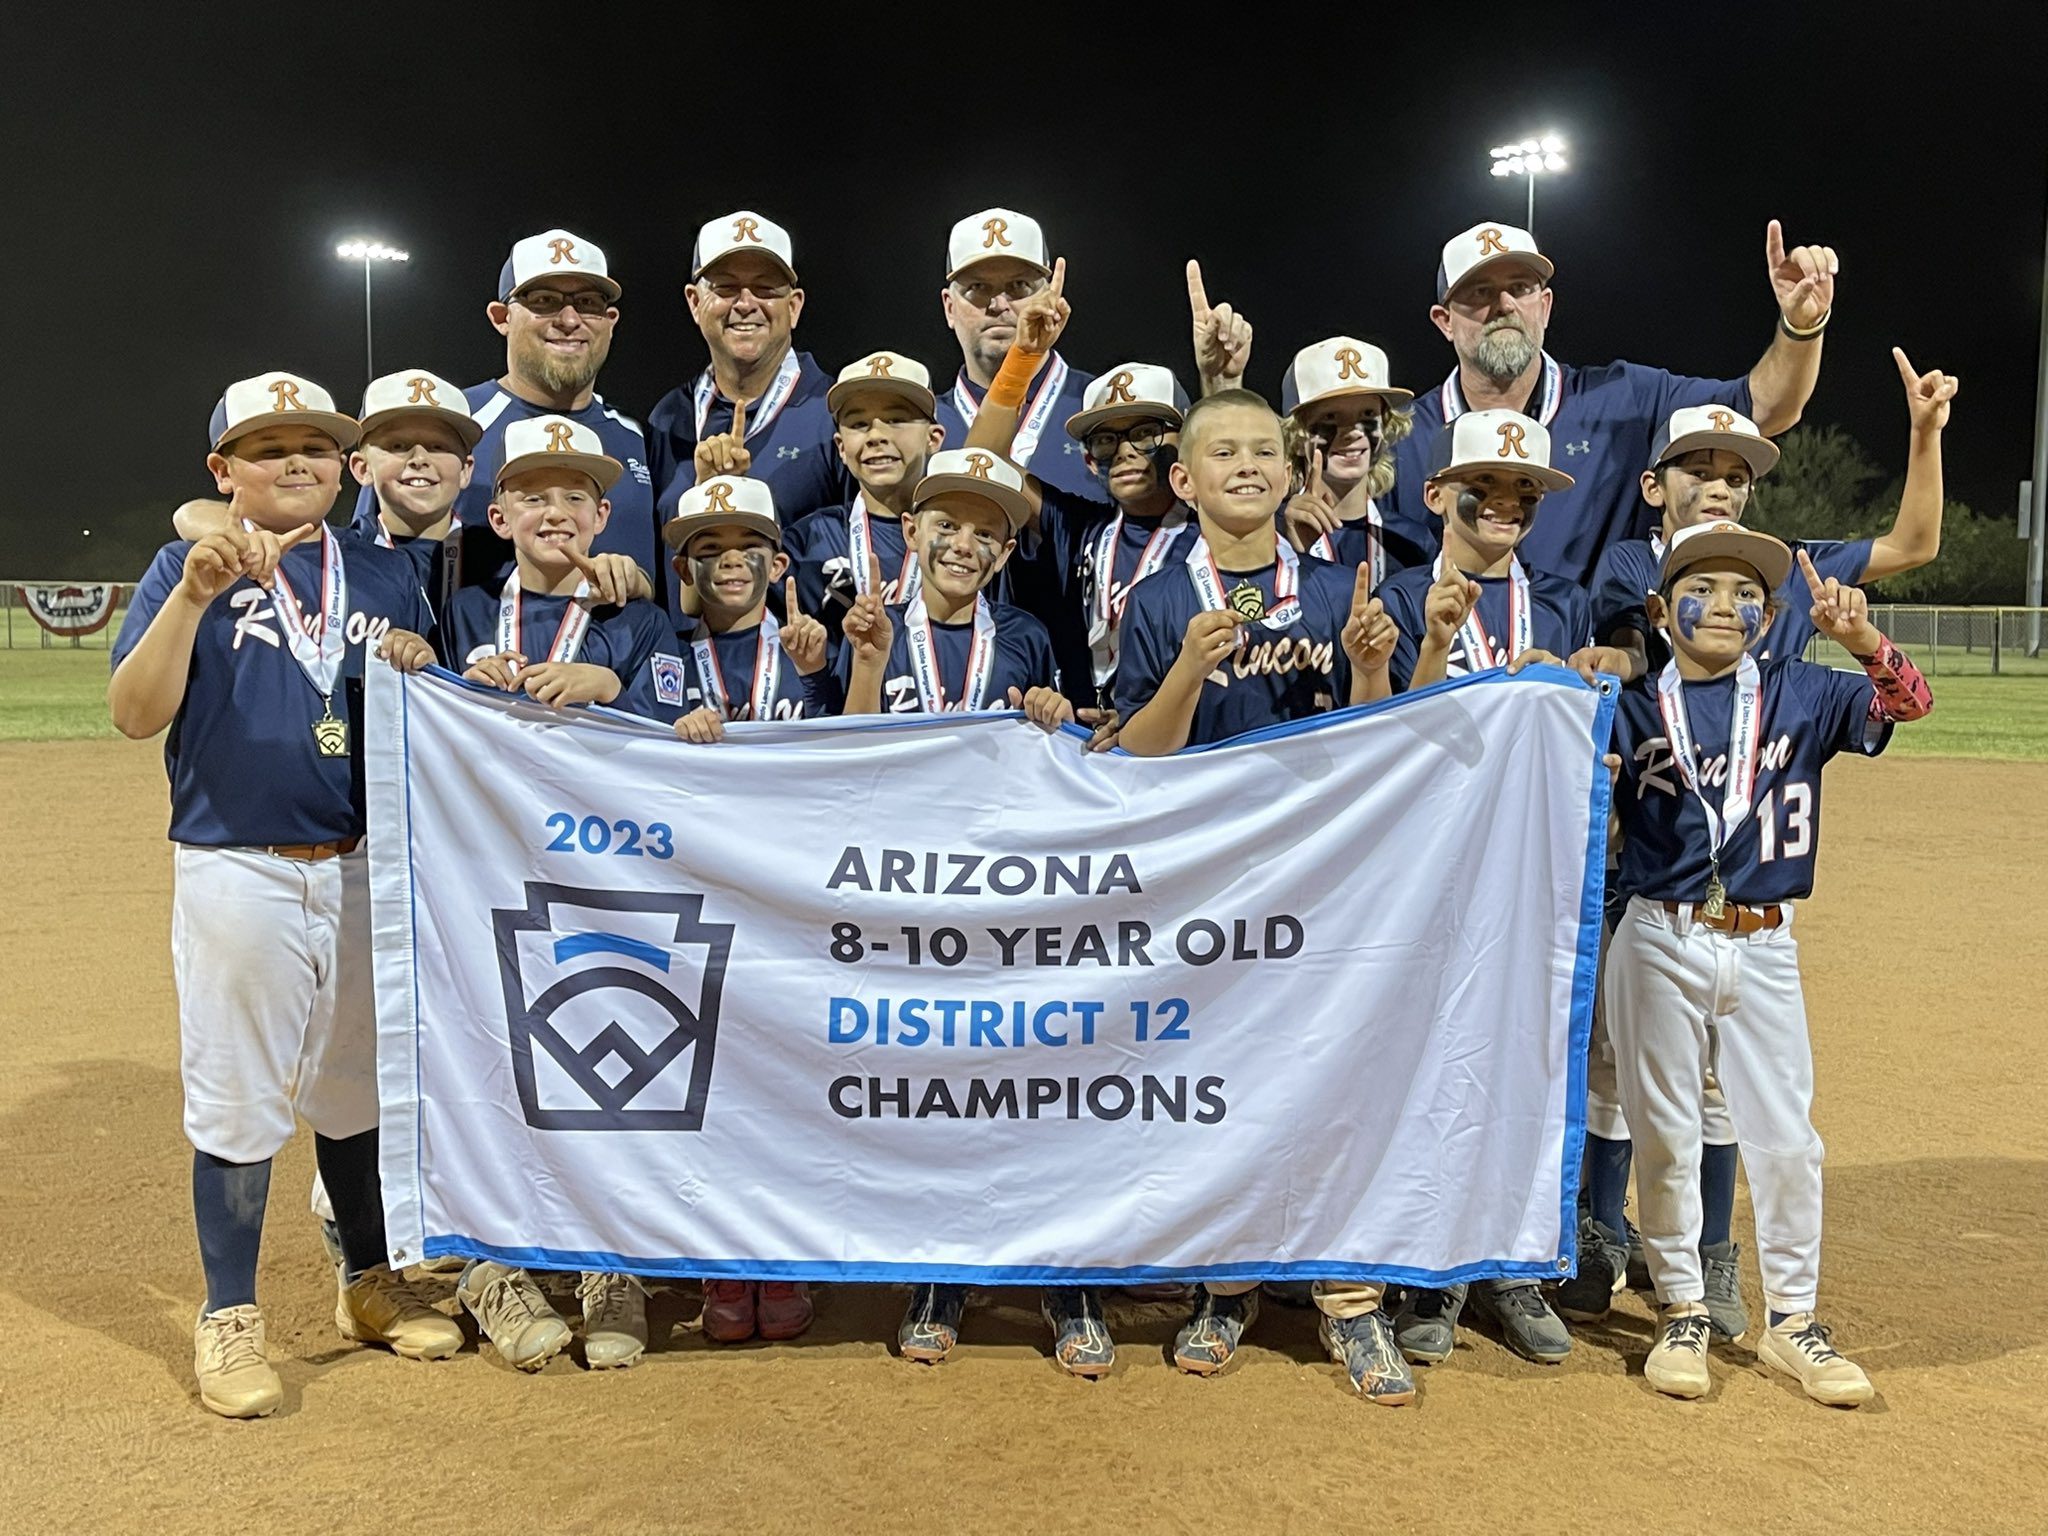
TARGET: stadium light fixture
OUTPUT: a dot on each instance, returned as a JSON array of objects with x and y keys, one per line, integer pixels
[
  {"x": 369, "y": 252},
  {"x": 1530, "y": 158}
]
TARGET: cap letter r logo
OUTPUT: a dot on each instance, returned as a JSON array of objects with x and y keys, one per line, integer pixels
[
  {"x": 979, "y": 465},
  {"x": 878, "y": 366},
  {"x": 559, "y": 433},
  {"x": 1349, "y": 364},
  {"x": 1120, "y": 389},
  {"x": 718, "y": 498},
  {"x": 564, "y": 250},
  {"x": 995, "y": 232},
  {"x": 1491, "y": 242},
  {"x": 746, "y": 229},
  {"x": 1723, "y": 421},
  {"x": 422, "y": 392},
  {"x": 1511, "y": 441},
  {"x": 284, "y": 396}
]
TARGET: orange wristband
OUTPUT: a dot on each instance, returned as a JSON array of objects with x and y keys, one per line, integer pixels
[{"x": 1013, "y": 379}]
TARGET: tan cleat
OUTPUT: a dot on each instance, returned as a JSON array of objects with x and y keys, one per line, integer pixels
[
  {"x": 378, "y": 1307},
  {"x": 614, "y": 1320},
  {"x": 1802, "y": 1348},
  {"x": 235, "y": 1380},
  {"x": 1677, "y": 1365},
  {"x": 513, "y": 1314}
]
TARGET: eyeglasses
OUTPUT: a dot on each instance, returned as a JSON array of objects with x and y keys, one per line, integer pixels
[
  {"x": 587, "y": 302},
  {"x": 764, "y": 293},
  {"x": 1145, "y": 436},
  {"x": 1480, "y": 295},
  {"x": 1016, "y": 290}
]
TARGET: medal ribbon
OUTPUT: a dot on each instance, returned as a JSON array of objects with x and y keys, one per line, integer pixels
[
  {"x": 568, "y": 634},
  {"x": 1032, "y": 423},
  {"x": 1549, "y": 398},
  {"x": 924, "y": 656},
  {"x": 1743, "y": 734},
  {"x": 318, "y": 644},
  {"x": 767, "y": 669},
  {"x": 1375, "y": 544},
  {"x": 1108, "y": 602},
  {"x": 765, "y": 409},
  {"x": 860, "y": 539},
  {"x": 1208, "y": 582},
  {"x": 1479, "y": 652}
]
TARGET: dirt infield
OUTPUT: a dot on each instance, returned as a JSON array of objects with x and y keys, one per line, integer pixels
[{"x": 1927, "y": 980}]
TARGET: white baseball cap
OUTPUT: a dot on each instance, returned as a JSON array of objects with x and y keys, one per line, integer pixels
[
  {"x": 1713, "y": 426},
  {"x": 277, "y": 399},
  {"x": 886, "y": 373},
  {"x": 1130, "y": 392},
  {"x": 726, "y": 501},
  {"x": 556, "y": 441},
  {"x": 995, "y": 232},
  {"x": 554, "y": 253},
  {"x": 416, "y": 392},
  {"x": 1497, "y": 440},
  {"x": 1770, "y": 558},
  {"x": 743, "y": 231},
  {"x": 1487, "y": 245},
  {"x": 975, "y": 472},
  {"x": 1342, "y": 365}
]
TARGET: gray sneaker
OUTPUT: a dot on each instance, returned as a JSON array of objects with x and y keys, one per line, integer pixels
[
  {"x": 1603, "y": 1260},
  {"x": 1725, "y": 1313},
  {"x": 1527, "y": 1325},
  {"x": 1426, "y": 1324}
]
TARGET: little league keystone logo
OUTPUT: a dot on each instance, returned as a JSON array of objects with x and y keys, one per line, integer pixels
[{"x": 613, "y": 1065}]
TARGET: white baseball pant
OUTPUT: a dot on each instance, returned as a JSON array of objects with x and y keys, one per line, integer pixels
[
  {"x": 1685, "y": 1001},
  {"x": 1604, "y": 1117}
]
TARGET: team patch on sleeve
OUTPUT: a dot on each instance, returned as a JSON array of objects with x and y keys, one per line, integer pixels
[{"x": 668, "y": 677}]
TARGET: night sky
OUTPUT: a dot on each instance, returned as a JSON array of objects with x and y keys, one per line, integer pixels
[{"x": 181, "y": 191}]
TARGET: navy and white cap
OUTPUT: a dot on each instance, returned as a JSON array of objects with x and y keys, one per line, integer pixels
[
  {"x": 1770, "y": 558},
  {"x": 553, "y": 442},
  {"x": 995, "y": 232},
  {"x": 554, "y": 253},
  {"x": 1483, "y": 247},
  {"x": 1342, "y": 365},
  {"x": 885, "y": 373},
  {"x": 1496, "y": 440},
  {"x": 743, "y": 230},
  {"x": 975, "y": 472},
  {"x": 279, "y": 399},
  {"x": 1130, "y": 392},
  {"x": 1713, "y": 426},
  {"x": 724, "y": 501},
  {"x": 416, "y": 392}
]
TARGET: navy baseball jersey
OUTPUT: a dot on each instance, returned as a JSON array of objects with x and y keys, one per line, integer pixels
[
  {"x": 1560, "y": 620},
  {"x": 790, "y": 439},
  {"x": 484, "y": 559},
  {"x": 671, "y": 684},
  {"x": 1056, "y": 576},
  {"x": 1023, "y": 660},
  {"x": 820, "y": 554},
  {"x": 1351, "y": 545},
  {"x": 1628, "y": 573},
  {"x": 620, "y": 638},
  {"x": 1809, "y": 713},
  {"x": 435, "y": 571},
  {"x": 1279, "y": 674},
  {"x": 1601, "y": 421},
  {"x": 245, "y": 768},
  {"x": 1041, "y": 445}
]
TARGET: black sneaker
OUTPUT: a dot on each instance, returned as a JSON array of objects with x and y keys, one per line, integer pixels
[
  {"x": 931, "y": 1323},
  {"x": 1209, "y": 1339},
  {"x": 1527, "y": 1325},
  {"x": 1603, "y": 1259},
  {"x": 1080, "y": 1338}
]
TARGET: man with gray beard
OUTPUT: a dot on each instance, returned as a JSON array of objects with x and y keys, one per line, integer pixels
[
  {"x": 1493, "y": 306},
  {"x": 556, "y": 305}
]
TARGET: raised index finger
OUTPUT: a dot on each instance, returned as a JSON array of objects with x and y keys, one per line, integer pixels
[
  {"x": 299, "y": 535},
  {"x": 1361, "y": 589},
  {"x": 1813, "y": 581},
  {"x": 790, "y": 611},
  {"x": 1774, "y": 243},
  {"x": 739, "y": 421},
  {"x": 1059, "y": 278},
  {"x": 1198, "y": 296}
]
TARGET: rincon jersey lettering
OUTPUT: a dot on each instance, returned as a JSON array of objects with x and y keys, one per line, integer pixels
[
  {"x": 1279, "y": 673},
  {"x": 1019, "y": 656},
  {"x": 1628, "y": 573},
  {"x": 244, "y": 766},
  {"x": 1559, "y": 620},
  {"x": 1808, "y": 714}
]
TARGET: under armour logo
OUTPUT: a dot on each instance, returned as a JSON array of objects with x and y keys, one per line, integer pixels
[
  {"x": 878, "y": 366},
  {"x": 1349, "y": 364},
  {"x": 718, "y": 497},
  {"x": 979, "y": 465},
  {"x": 746, "y": 229},
  {"x": 1120, "y": 389},
  {"x": 422, "y": 392},
  {"x": 1581, "y": 446},
  {"x": 788, "y": 452},
  {"x": 564, "y": 250},
  {"x": 284, "y": 395},
  {"x": 559, "y": 434},
  {"x": 995, "y": 232},
  {"x": 1511, "y": 441},
  {"x": 1491, "y": 242},
  {"x": 1722, "y": 421}
]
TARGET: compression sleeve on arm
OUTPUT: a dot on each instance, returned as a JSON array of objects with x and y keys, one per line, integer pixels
[
  {"x": 1013, "y": 380},
  {"x": 1902, "y": 693}
]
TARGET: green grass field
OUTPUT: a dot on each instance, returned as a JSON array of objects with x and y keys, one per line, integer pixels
[{"x": 60, "y": 694}]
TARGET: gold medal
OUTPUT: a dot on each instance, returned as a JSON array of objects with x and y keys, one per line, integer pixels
[
  {"x": 1715, "y": 907},
  {"x": 1247, "y": 601},
  {"x": 330, "y": 734}
]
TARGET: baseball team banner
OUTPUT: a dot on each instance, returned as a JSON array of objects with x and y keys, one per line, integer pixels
[{"x": 951, "y": 999}]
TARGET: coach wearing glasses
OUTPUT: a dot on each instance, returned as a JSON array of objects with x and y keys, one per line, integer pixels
[
  {"x": 556, "y": 305},
  {"x": 744, "y": 295}
]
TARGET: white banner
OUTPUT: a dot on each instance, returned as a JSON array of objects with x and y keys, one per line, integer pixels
[{"x": 954, "y": 1000}]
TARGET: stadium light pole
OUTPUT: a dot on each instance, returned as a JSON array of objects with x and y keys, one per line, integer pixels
[
  {"x": 1530, "y": 158},
  {"x": 369, "y": 252}
]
